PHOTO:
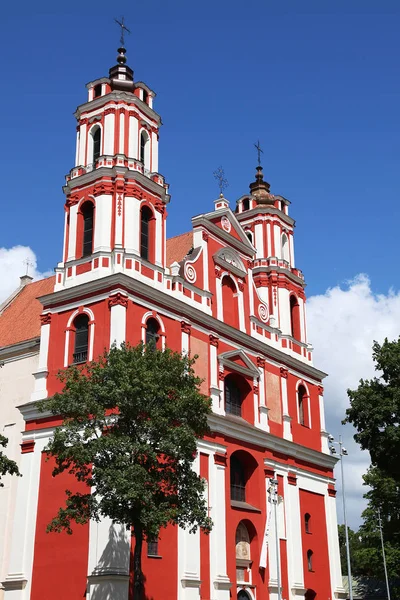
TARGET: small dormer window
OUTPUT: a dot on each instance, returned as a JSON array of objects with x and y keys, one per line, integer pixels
[
  {"x": 246, "y": 204},
  {"x": 97, "y": 90}
]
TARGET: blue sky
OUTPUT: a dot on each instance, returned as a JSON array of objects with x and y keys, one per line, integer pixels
[{"x": 317, "y": 82}]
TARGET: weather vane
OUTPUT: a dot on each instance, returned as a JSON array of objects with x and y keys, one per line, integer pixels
[
  {"x": 28, "y": 264},
  {"x": 259, "y": 152},
  {"x": 123, "y": 29},
  {"x": 219, "y": 175}
]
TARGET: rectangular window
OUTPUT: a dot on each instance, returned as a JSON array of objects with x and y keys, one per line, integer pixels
[
  {"x": 152, "y": 548},
  {"x": 144, "y": 240}
]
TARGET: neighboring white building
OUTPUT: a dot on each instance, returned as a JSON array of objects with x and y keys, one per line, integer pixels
[{"x": 19, "y": 353}]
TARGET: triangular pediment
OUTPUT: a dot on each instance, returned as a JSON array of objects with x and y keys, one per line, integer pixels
[
  {"x": 223, "y": 224},
  {"x": 237, "y": 360}
]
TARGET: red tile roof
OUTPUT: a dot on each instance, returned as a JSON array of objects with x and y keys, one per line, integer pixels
[
  {"x": 178, "y": 247},
  {"x": 20, "y": 320}
]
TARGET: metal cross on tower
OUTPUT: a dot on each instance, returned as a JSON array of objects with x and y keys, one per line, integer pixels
[
  {"x": 28, "y": 264},
  {"x": 259, "y": 152},
  {"x": 123, "y": 29},
  {"x": 219, "y": 175}
]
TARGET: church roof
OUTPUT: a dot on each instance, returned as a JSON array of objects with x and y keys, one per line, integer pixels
[
  {"x": 178, "y": 247},
  {"x": 19, "y": 321}
]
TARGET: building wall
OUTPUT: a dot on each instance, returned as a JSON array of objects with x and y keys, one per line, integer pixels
[{"x": 16, "y": 386}]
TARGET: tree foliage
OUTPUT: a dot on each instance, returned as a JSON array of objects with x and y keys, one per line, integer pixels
[
  {"x": 7, "y": 466},
  {"x": 375, "y": 413},
  {"x": 131, "y": 421}
]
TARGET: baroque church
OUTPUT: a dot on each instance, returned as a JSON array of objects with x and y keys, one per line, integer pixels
[{"x": 228, "y": 291}]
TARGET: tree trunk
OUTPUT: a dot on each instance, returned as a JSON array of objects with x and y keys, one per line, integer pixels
[{"x": 138, "y": 582}]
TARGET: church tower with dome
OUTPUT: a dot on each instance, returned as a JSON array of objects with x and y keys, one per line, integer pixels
[{"x": 228, "y": 291}]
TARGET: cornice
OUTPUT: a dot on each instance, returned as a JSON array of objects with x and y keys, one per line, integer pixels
[
  {"x": 275, "y": 269},
  {"x": 241, "y": 430},
  {"x": 117, "y": 96},
  {"x": 21, "y": 349},
  {"x": 112, "y": 172},
  {"x": 265, "y": 210},
  {"x": 176, "y": 305}
]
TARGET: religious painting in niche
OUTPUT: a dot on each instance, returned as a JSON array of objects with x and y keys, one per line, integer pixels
[{"x": 242, "y": 542}]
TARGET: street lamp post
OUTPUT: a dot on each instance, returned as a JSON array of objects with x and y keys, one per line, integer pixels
[
  {"x": 383, "y": 553},
  {"x": 273, "y": 492},
  {"x": 343, "y": 452}
]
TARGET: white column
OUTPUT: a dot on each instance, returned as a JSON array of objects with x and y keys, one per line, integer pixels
[
  {"x": 219, "y": 580},
  {"x": 214, "y": 383},
  {"x": 242, "y": 324},
  {"x": 218, "y": 294},
  {"x": 121, "y": 149},
  {"x": 291, "y": 241},
  {"x": 73, "y": 222},
  {"x": 154, "y": 152},
  {"x": 82, "y": 145},
  {"x": 108, "y": 564},
  {"x": 259, "y": 243},
  {"x": 287, "y": 434},
  {"x": 102, "y": 224},
  {"x": 18, "y": 582},
  {"x": 277, "y": 240},
  {"x": 40, "y": 388},
  {"x": 133, "y": 137},
  {"x": 118, "y": 321},
  {"x": 294, "y": 542},
  {"x": 159, "y": 238},
  {"x": 109, "y": 134},
  {"x": 189, "y": 558}
]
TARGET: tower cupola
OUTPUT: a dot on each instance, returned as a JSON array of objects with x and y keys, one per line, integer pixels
[
  {"x": 121, "y": 76},
  {"x": 260, "y": 189}
]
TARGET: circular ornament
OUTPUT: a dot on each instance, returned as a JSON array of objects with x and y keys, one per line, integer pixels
[
  {"x": 190, "y": 273},
  {"x": 263, "y": 313},
  {"x": 226, "y": 224}
]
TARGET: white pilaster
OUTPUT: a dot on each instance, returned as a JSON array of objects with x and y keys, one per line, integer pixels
[
  {"x": 333, "y": 546},
  {"x": 291, "y": 241},
  {"x": 189, "y": 558},
  {"x": 133, "y": 138},
  {"x": 220, "y": 583},
  {"x": 218, "y": 293},
  {"x": 154, "y": 152},
  {"x": 277, "y": 240},
  {"x": 324, "y": 433},
  {"x": 102, "y": 225},
  {"x": 77, "y": 148},
  {"x": 287, "y": 434},
  {"x": 242, "y": 322},
  {"x": 121, "y": 149},
  {"x": 82, "y": 145},
  {"x": 108, "y": 564},
  {"x": 269, "y": 243},
  {"x": 159, "y": 238},
  {"x": 214, "y": 383},
  {"x": 302, "y": 320},
  {"x": 19, "y": 579},
  {"x": 40, "y": 388},
  {"x": 294, "y": 542},
  {"x": 119, "y": 218},
  {"x": 109, "y": 134},
  {"x": 132, "y": 220},
  {"x": 73, "y": 221},
  {"x": 118, "y": 324},
  {"x": 262, "y": 408},
  {"x": 259, "y": 240}
]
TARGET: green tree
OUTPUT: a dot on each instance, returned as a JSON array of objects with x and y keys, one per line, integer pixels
[
  {"x": 131, "y": 421},
  {"x": 375, "y": 413},
  {"x": 7, "y": 466}
]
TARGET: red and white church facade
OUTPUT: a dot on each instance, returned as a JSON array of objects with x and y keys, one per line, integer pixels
[{"x": 228, "y": 291}]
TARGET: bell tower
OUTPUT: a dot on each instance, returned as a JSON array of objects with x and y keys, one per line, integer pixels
[
  {"x": 115, "y": 197},
  {"x": 265, "y": 218}
]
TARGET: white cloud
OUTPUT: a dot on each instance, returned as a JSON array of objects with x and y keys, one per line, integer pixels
[
  {"x": 12, "y": 267},
  {"x": 342, "y": 325}
]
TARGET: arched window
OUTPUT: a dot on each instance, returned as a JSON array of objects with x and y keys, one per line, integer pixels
[
  {"x": 87, "y": 211},
  {"x": 145, "y": 217},
  {"x": 250, "y": 236},
  {"x": 243, "y": 595},
  {"x": 97, "y": 90},
  {"x": 285, "y": 247},
  {"x": 238, "y": 480},
  {"x": 152, "y": 332},
  {"x": 245, "y": 204},
  {"x": 310, "y": 560},
  {"x": 230, "y": 302},
  {"x": 96, "y": 143},
  {"x": 81, "y": 324},
  {"x": 295, "y": 317},
  {"x": 144, "y": 140},
  {"x": 307, "y": 522},
  {"x": 233, "y": 396},
  {"x": 301, "y": 400}
]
